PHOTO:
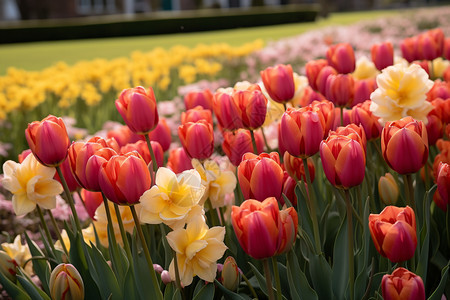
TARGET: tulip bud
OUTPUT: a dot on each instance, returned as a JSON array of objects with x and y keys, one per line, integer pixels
[
  {"x": 197, "y": 139},
  {"x": 341, "y": 57},
  {"x": 8, "y": 266},
  {"x": 289, "y": 190},
  {"x": 165, "y": 277},
  {"x": 196, "y": 114},
  {"x": 388, "y": 189},
  {"x": 66, "y": 283},
  {"x": 48, "y": 140},
  {"x": 402, "y": 284},
  {"x": 227, "y": 111},
  {"x": 137, "y": 106},
  {"x": 404, "y": 144},
  {"x": 393, "y": 232},
  {"x": 440, "y": 89},
  {"x": 230, "y": 276},
  {"x": 430, "y": 44},
  {"x": 295, "y": 168},
  {"x": 289, "y": 229},
  {"x": 383, "y": 55},
  {"x": 443, "y": 185},
  {"x": 279, "y": 82},
  {"x": 253, "y": 108},
  {"x": 361, "y": 115},
  {"x": 92, "y": 201},
  {"x": 203, "y": 98},
  {"x": 72, "y": 183}
]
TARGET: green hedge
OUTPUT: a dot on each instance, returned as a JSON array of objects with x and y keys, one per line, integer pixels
[{"x": 156, "y": 23}]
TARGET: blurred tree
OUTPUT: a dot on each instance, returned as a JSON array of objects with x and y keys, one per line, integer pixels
[
  {"x": 234, "y": 3},
  {"x": 257, "y": 2}
]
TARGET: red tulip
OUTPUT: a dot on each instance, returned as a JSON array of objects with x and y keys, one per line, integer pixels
[
  {"x": 48, "y": 140},
  {"x": 343, "y": 161},
  {"x": 308, "y": 95},
  {"x": 203, "y": 98},
  {"x": 178, "y": 160},
  {"x": 393, "y": 232},
  {"x": 289, "y": 185},
  {"x": 72, "y": 183},
  {"x": 260, "y": 176},
  {"x": 85, "y": 160},
  {"x": 340, "y": 89},
  {"x": 124, "y": 178},
  {"x": 321, "y": 81},
  {"x": 361, "y": 115},
  {"x": 253, "y": 108},
  {"x": 92, "y": 200},
  {"x": 440, "y": 89},
  {"x": 236, "y": 144},
  {"x": 197, "y": 139},
  {"x": 196, "y": 114},
  {"x": 227, "y": 111},
  {"x": 342, "y": 58},
  {"x": 409, "y": 49},
  {"x": 137, "y": 106},
  {"x": 355, "y": 132},
  {"x": 382, "y": 55},
  {"x": 312, "y": 70},
  {"x": 430, "y": 44},
  {"x": 142, "y": 148},
  {"x": 279, "y": 82},
  {"x": 443, "y": 185},
  {"x": 302, "y": 130},
  {"x": 435, "y": 125},
  {"x": 362, "y": 90},
  {"x": 446, "y": 50},
  {"x": 402, "y": 285},
  {"x": 256, "y": 225},
  {"x": 404, "y": 144},
  {"x": 161, "y": 134}
]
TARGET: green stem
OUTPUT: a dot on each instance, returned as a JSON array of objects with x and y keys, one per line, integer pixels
[
  {"x": 70, "y": 199},
  {"x": 350, "y": 244},
  {"x": 110, "y": 223},
  {"x": 123, "y": 233},
  {"x": 152, "y": 155},
  {"x": 268, "y": 279},
  {"x": 58, "y": 233},
  {"x": 177, "y": 274},
  {"x": 342, "y": 115},
  {"x": 410, "y": 193},
  {"x": 255, "y": 149},
  {"x": 265, "y": 140},
  {"x": 447, "y": 222},
  {"x": 44, "y": 225},
  {"x": 146, "y": 252},
  {"x": 277, "y": 277},
  {"x": 252, "y": 290},
  {"x": 312, "y": 205}
]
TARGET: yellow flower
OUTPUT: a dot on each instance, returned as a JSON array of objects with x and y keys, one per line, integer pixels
[
  {"x": 197, "y": 248},
  {"x": 88, "y": 235},
  {"x": 218, "y": 183},
  {"x": 401, "y": 92},
  {"x": 365, "y": 69},
  {"x": 172, "y": 197},
  {"x": 101, "y": 223},
  {"x": 20, "y": 253},
  {"x": 439, "y": 65},
  {"x": 30, "y": 183}
]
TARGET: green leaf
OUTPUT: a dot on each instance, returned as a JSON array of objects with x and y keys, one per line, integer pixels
[
  {"x": 33, "y": 291},
  {"x": 206, "y": 292},
  {"x": 437, "y": 294},
  {"x": 363, "y": 256},
  {"x": 298, "y": 283},
  {"x": 102, "y": 274},
  {"x": 304, "y": 217},
  {"x": 129, "y": 286},
  {"x": 118, "y": 259},
  {"x": 261, "y": 279},
  {"x": 321, "y": 276},
  {"x": 227, "y": 293},
  {"x": 41, "y": 267},
  {"x": 340, "y": 262},
  {"x": 14, "y": 291},
  {"x": 422, "y": 265},
  {"x": 169, "y": 291}
]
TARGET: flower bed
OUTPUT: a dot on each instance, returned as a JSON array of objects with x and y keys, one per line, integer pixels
[{"x": 330, "y": 185}]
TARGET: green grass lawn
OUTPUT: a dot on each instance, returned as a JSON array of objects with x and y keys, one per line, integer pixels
[{"x": 38, "y": 55}]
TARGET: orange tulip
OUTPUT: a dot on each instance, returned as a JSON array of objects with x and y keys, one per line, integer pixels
[
  {"x": 440, "y": 89},
  {"x": 404, "y": 144},
  {"x": 361, "y": 115},
  {"x": 256, "y": 225},
  {"x": 393, "y": 232},
  {"x": 236, "y": 144},
  {"x": 178, "y": 160},
  {"x": 343, "y": 161},
  {"x": 354, "y": 132},
  {"x": 341, "y": 57},
  {"x": 382, "y": 55},
  {"x": 196, "y": 114},
  {"x": 431, "y": 44},
  {"x": 327, "y": 109},
  {"x": 85, "y": 160},
  {"x": 435, "y": 125},
  {"x": 279, "y": 82},
  {"x": 142, "y": 148},
  {"x": 295, "y": 168},
  {"x": 203, "y": 98},
  {"x": 289, "y": 229},
  {"x": 312, "y": 70},
  {"x": 92, "y": 200},
  {"x": 302, "y": 130},
  {"x": 260, "y": 176},
  {"x": 409, "y": 49},
  {"x": 197, "y": 139},
  {"x": 161, "y": 134},
  {"x": 137, "y": 106},
  {"x": 123, "y": 135},
  {"x": 443, "y": 185},
  {"x": 402, "y": 285},
  {"x": 340, "y": 89},
  {"x": 253, "y": 107},
  {"x": 227, "y": 111},
  {"x": 124, "y": 178},
  {"x": 289, "y": 185},
  {"x": 72, "y": 183},
  {"x": 48, "y": 140}
]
